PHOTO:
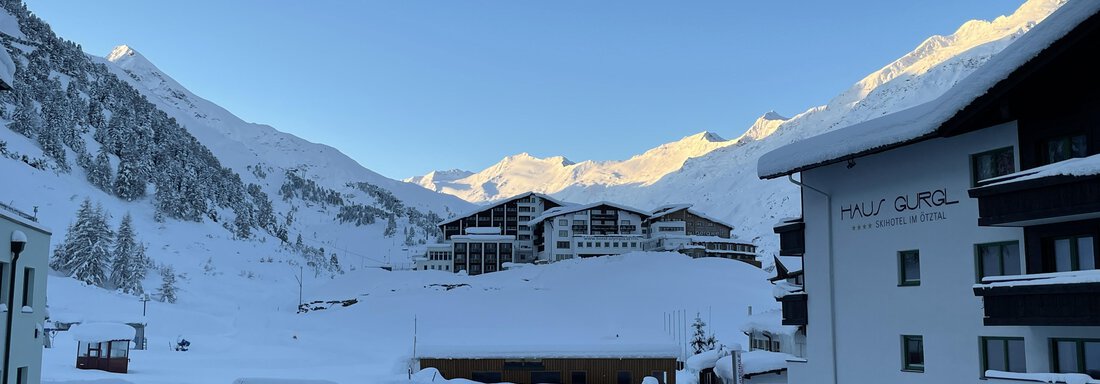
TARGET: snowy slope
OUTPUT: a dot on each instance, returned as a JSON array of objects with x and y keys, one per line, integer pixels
[
  {"x": 436, "y": 180},
  {"x": 241, "y": 327},
  {"x": 720, "y": 178},
  {"x": 521, "y": 173},
  {"x": 239, "y": 144}
]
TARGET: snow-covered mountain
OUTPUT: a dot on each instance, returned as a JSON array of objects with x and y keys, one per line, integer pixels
[
  {"x": 240, "y": 144},
  {"x": 521, "y": 173},
  {"x": 719, "y": 177}
]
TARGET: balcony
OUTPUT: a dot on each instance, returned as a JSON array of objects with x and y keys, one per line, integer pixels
[
  {"x": 1047, "y": 299},
  {"x": 580, "y": 228},
  {"x": 1038, "y": 201},
  {"x": 792, "y": 237},
  {"x": 794, "y": 309}
]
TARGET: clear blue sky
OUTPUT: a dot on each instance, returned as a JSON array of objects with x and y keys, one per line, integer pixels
[{"x": 409, "y": 86}]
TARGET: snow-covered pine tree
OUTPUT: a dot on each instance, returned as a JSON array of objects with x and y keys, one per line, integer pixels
[
  {"x": 86, "y": 252},
  {"x": 700, "y": 342},
  {"x": 128, "y": 265},
  {"x": 410, "y": 234},
  {"x": 99, "y": 171},
  {"x": 167, "y": 290},
  {"x": 391, "y": 227},
  {"x": 129, "y": 183}
]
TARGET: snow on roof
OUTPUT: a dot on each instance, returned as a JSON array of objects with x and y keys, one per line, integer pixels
[
  {"x": 558, "y": 211},
  {"x": 792, "y": 263},
  {"x": 1072, "y": 277},
  {"x": 20, "y": 217},
  {"x": 483, "y": 231},
  {"x": 9, "y": 25},
  {"x": 667, "y": 209},
  {"x": 504, "y": 201},
  {"x": 704, "y": 360},
  {"x": 782, "y": 289},
  {"x": 922, "y": 121},
  {"x": 99, "y": 332},
  {"x": 770, "y": 321},
  {"x": 608, "y": 347},
  {"x": 483, "y": 237},
  {"x": 1082, "y": 166},
  {"x": 262, "y": 380},
  {"x": 761, "y": 361},
  {"x": 1068, "y": 378}
]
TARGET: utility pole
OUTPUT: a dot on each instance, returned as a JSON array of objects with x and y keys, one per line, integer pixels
[{"x": 300, "y": 277}]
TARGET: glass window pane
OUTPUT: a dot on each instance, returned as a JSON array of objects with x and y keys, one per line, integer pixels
[
  {"x": 1062, "y": 256},
  {"x": 995, "y": 355},
  {"x": 1016, "y": 356},
  {"x": 912, "y": 266},
  {"x": 1005, "y": 163},
  {"x": 1067, "y": 356},
  {"x": 1011, "y": 260},
  {"x": 1086, "y": 259},
  {"x": 984, "y": 164},
  {"x": 1092, "y": 357},
  {"x": 991, "y": 261},
  {"x": 914, "y": 351},
  {"x": 1079, "y": 146}
]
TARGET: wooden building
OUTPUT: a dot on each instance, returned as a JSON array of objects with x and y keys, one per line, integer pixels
[
  {"x": 103, "y": 346},
  {"x": 592, "y": 364},
  {"x": 679, "y": 228}
]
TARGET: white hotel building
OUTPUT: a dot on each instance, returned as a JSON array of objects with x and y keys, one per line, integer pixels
[
  {"x": 587, "y": 230},
  {"x": 955, "y": 242}
]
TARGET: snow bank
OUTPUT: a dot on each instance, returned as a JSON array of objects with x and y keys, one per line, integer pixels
[
  {"x": 754, "y": 362},
  {"x": 432, "y": 375},
  {"x": 650, "y": 380},
  {"x": 703, "y": 360},
  {"x": 99, "y": 332},
  {"x": 253, "y": 380},
  {"x": 1068, "y": 378},
  {"x": 922, "y": 121}
]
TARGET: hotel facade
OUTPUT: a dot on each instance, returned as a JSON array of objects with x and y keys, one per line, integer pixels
[{"x": 955, "y": 242}]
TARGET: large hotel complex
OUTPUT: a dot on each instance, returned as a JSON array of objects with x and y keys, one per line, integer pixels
[
  {"x": 955, "y": 242},
  {"x": 533, "y": 227}
]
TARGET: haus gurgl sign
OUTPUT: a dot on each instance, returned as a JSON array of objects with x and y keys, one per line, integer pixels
[{"x": 904, "y": 209}]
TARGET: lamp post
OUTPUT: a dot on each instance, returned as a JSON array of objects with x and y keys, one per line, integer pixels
[
  {"x": 18, "y": 244},
  {"x": 144, "y": 303}
]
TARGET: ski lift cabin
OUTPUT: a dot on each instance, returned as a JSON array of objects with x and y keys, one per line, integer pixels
[{"x": 103, "y": 346}]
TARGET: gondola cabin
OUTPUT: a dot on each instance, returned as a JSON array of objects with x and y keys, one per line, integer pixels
[{"x": 103, "y": 346}]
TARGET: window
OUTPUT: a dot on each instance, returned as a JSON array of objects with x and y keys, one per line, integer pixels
[
  {"x": 563, "y": 233},
  {"x": 626, "y": 222},
  {"x": 998, "y": 259},
  {"x": 563, "y": 222},
  {"x": 607, "y": 244},
  {"x": 580, "y": 244},
  {"x": 659, "y": 375},
  {"x": 1066, "y": 147},
  {"x": 578, "y": 377},
  {"x": 598, "y": 244},
  {"x": 909, "y": 268},
  {"x": 21, "y": 376},
  {"x": 912, "y": 353},
  {"x": 634, "y": 244},
  {"x": 1076, "y": 356},
  {"x": 623, "y": 377},
  {"x": 987, "y": 165},
  {"x": 1074, "y": 253},
  {"x": 563, "y": 245},
  {"x": 615, "y": 244},
  {"x": 548, "y": 377},
  {"x": 486, "y": 377},
  {"x": 1004, "y": 354},
  {"x": 589, "y": 244},
  {"x": 119, "y": 348},
  {"x": 3, "y": 282}
]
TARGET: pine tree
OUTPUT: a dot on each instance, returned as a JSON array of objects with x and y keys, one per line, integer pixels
[
  {"x": 86, "y": 251},
  {"x": 129, "y": 183},
  {"x": 391, "y": 227},
  {"x": 699, "y": 340},
  {"x": 410, "y": 236},
  {"x": 128, "y": 267},
  {"x": 99, "y": 172},
  {"x": 167, "y": 289}
]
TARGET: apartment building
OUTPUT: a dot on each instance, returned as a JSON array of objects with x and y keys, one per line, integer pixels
[
  {"x": 23, "y": 272},
  {"x": 596, "y": 229},
  {"x": 680, "y": 228}
]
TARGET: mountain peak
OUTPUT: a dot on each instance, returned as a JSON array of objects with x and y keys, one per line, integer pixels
[
  {"x": 525, "y": 156},
  {"x": 772, "y": 115},
  {"x": 122, "y": 52},
  {"x": 706, "y": 136}
]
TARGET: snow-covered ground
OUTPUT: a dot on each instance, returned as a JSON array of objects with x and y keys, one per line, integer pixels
[{"x": 248, "y": 328}]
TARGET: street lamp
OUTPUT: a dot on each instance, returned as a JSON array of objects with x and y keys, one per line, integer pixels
[{"x": 18, "y": 244}]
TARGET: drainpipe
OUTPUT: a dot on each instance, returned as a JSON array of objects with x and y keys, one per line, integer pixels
[
  {"x": 18, "y": 243},
  {"x": 832, "y": 268}
]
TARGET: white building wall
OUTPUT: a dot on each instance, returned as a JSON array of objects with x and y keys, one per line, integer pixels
[
  {"x": 872, "y": 311},
  {"x": 27, "y": 338}
]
